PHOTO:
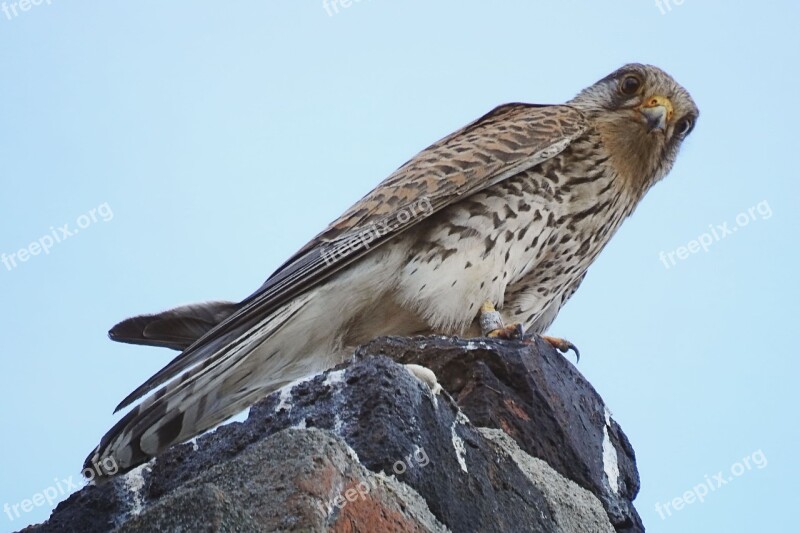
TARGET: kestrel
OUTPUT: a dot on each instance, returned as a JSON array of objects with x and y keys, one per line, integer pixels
[{"x": 510, "y": 210}]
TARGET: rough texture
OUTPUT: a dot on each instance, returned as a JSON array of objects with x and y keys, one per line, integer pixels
[
  {"x": 539, "y": 398},
  {"x": 367, "y": 447},
  {"x": 205, "y": 509},
  {"x": 574, "y": 508},
  {"x": 289, "y": 482}
]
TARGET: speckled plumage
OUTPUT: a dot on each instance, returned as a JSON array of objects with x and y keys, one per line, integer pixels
[{"x": 512, "y": 209}]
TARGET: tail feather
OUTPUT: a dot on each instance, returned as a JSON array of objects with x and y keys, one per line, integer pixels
[
  {"x": 224, "y": 382},
  {"x": 176, "y": 328},
  {"x": 199, "y": 350}
]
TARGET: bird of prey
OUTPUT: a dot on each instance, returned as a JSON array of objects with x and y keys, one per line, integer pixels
[{"x": 503, "y": 216}]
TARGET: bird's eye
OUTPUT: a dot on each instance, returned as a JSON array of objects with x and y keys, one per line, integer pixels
[
  {"x": 630, "y": 85},
  {"x": 684, "y": 126}
]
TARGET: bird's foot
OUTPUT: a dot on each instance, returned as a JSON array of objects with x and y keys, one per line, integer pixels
[
  {"x": 492, "y": 324},
  {"x": 562, "y": 345},
  {"x": 512, "y": 332}
]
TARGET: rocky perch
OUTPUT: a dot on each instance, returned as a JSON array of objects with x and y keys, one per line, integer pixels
[{"x": 519, "y": 441}]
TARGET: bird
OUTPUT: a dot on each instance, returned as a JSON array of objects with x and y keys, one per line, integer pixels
[{"x": 500, "y": 219}]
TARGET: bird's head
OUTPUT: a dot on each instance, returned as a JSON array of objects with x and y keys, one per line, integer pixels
[{"x": 643, "y": 116}]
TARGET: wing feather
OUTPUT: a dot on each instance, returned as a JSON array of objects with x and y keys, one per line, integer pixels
[{"x": 508, "y": 140}]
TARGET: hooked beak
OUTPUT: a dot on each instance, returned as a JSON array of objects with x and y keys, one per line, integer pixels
[{"x": 657, "y": 111}]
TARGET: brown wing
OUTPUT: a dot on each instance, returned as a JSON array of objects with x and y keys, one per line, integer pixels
[{"x": 502, "y": 143}]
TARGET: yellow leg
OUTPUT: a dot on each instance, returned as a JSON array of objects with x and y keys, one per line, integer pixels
[{"x": 492, "y": 324}]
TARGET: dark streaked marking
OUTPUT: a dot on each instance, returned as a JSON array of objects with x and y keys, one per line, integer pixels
[
  {"x": 447, "y": 253},
  {"x": 580, "y": 215},
  {"x": 496, "y": 220},
  {"x": 490, "y": 244},
  {"x": 168, "y": 432}
]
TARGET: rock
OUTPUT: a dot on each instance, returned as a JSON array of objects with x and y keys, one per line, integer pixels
[
  {"x": 539, "y": 398},
  {"x": 291, "y": 481},
  {"x": 574, "y": 508},
  {"x": 203, "y": 508},
  {"x": 368, "y": 447}
]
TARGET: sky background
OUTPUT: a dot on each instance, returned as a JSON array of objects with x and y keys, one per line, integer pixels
[{"x": 220, "y": 139}]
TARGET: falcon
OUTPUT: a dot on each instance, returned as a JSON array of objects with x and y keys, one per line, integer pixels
[{"x": 493, "y": 226}]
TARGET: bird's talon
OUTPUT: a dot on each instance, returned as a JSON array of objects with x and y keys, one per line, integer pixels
[
  {"x": 562, "y": 345},
  {"x": 511, "y": 332}
]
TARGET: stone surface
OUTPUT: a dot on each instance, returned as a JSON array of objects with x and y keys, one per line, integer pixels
[
  {"x": 296, "y": 480},
  {"x": 539, "y": 398},
  {"x": 574, "y": 508},
  {"x": 204, "y": 509},
  {"x": 368, "y": 447}
]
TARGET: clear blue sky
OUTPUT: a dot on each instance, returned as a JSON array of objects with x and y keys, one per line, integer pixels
[{"x": 214, "y": 140}]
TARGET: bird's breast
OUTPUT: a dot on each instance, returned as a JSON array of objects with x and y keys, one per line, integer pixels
[{"x": 541, "y": 227}]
